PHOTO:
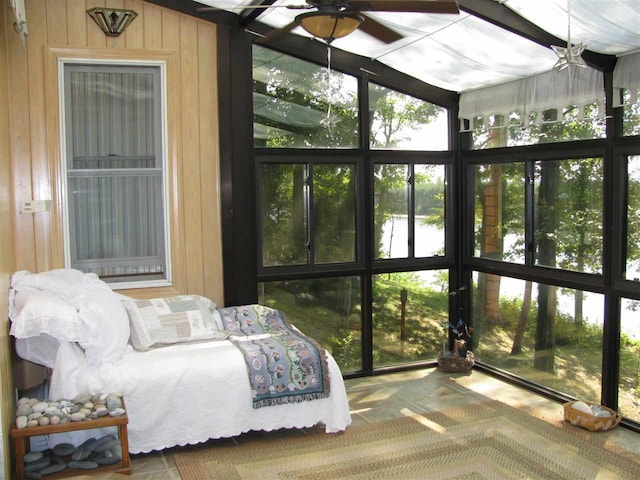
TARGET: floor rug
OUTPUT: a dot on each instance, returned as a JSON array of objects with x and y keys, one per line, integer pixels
[{"x": 484, "y": 441}]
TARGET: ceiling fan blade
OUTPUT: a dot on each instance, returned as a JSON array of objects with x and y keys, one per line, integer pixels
[
  {"x": 417, "y": 6},
  {"x": 252, "y": 7},
  {"x": 377, "y": 30},
  {"x": 277, "y": 33}
]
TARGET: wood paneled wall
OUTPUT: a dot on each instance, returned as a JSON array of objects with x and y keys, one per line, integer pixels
[
  {"x": 63, "y": 28},
  {"x": 30, "y": 146},
  {"x": 7, "y": 262}
]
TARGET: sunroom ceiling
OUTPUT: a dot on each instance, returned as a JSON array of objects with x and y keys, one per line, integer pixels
[{"x": 464, "y": 52}]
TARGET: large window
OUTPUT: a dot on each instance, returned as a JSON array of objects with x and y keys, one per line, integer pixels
[
  {"x": 631, "y": 112},
  {"x": 568, "y": 214},
  {"x": 115, "y": 169},
  {"x": 499, "y": 221},
  {"x": 565, "y": 205},
  {"x": 633, "y": 219},
  {"x": 326, "y": 309},
  {"x": 402, "y": 122},
  {"x": 410, "y": 315},
  {"x": 336, "y": 210},
  {"x": 356, "y": 216},
  {"x": 302, "y": 105},
  {"x": 549, "y": 335},
  {"x": 629, "y": 385},
  {"x": 409, "y": 207},
  {"x": 308, "y": 213}
]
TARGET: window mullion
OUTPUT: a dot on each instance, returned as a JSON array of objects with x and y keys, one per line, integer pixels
[
  {"x": 308, "y": 187},
  {"x": 529, "y": 241},
  {"x": 411, "y": 198}
]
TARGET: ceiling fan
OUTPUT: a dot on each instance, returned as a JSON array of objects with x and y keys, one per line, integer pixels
[{"x": 333, "y": 19}]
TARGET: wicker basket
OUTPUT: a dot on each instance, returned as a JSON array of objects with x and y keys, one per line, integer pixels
[
  {"x": 447, "y": 362},
  {"x": 591, "y": 422}
]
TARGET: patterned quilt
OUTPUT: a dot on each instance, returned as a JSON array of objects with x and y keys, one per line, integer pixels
[{"x": 284, "y": 366}]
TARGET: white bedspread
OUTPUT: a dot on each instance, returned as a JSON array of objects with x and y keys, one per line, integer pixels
[{"x": 187, "y": 394}]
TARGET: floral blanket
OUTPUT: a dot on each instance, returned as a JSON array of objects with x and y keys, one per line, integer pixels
[{"x": 284, "y": 366}]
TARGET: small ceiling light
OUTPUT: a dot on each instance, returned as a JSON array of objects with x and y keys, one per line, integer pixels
[
  {"x": 329, "y": 25},
  {"x": 112, "y": 21}
]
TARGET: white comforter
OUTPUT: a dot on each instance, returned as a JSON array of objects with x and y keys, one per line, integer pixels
[{"x": 187, "y": 394}]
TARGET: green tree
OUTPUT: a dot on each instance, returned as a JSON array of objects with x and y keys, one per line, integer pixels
[
  {"x": 633, "y": 215},
  {"x": 395, "y": 116}
]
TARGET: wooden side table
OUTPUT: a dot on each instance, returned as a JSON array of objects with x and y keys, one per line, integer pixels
[{"x": 21, "y": 437}]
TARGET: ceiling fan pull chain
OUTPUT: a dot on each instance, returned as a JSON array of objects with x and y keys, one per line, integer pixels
[
  {"x": 329, "y": 91},
  {"x": 569, "y": 39}
]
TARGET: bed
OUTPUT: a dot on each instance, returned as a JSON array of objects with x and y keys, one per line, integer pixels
[{"x": 182, "y": 385}]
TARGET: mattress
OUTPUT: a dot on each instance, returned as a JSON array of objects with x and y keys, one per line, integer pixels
[{"x": 188, "y": 393}]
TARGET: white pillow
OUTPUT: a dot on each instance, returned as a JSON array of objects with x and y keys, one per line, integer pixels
[
  {"x": 105, "y": 320},
  {"x": 60, "y": 282},
  {"x": 35, "y": 312},
  {"x": 169, "y": 320},
  {"x": 71, "y": 306},
  {"x": 41, "y": 349}
]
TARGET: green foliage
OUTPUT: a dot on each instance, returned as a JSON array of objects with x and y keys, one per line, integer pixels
[
  {"x": 426, "y": 309},
  {"x": 327, "y": 310},
  {"x": 631, "y": 114},
  {"x": 633, "y": 211},
  {"x": 581, "y": 335},
  {"x": 396, "y": 115}
]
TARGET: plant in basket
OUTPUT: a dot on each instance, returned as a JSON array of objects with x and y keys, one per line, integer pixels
[{"x": 460, "y": 359}]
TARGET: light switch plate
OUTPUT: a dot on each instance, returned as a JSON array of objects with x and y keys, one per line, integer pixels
[{"x": 34, "y": 206}]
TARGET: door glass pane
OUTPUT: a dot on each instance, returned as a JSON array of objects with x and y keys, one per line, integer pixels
[
  {"x": 429, "y": 221},
  {"x": 114, "y": 165},
  {"x": 334, "y": 213},
  {"x": 327, "y": 310},
  {"x": 633, "y": 218},
  {"x": 283, "y": 214},
  {"x": 402, "y": 122},
  {"x": 391, "y": 210},
  {"x": 410, "y": 311},
  {"x": 568, "y": 214},
  {"x": 298, "y": 104},
  {"x": 629, "y": 386},
  {"x": 548, "y": 335},
  {"x": 500, "y": 212}
]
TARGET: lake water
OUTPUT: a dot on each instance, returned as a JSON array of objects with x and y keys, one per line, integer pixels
[{"x": 430, "y": 242}]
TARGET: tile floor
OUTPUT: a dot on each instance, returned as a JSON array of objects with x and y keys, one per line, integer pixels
[{"x": 385, "y": 397}]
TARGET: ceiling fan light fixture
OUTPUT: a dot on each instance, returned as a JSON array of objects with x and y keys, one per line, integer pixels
[{"x": 329, "y": 25}]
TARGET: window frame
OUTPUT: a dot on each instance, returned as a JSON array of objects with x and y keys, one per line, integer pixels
[
  {"x": 626, "y": 287},
  {"x": 315, "y": 157},
  {"x": 528, "y": 155},
  {"x": 364, "y": 158},
  {"x": 411, "y": 262},
  {"x": 63, "y": 203}
]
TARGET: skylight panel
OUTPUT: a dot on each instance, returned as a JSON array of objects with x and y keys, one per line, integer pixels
[{"x": 605, "y": 26}]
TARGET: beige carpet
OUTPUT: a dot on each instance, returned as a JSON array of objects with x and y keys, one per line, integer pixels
[{"x": 485, "y": 441}]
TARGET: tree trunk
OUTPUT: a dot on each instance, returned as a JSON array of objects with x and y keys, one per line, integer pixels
[
  {"x": 522, "y": 321},
  {"x": 544, "y": 358},
  {"x": 546, "y": 221},
  {"x": 492, "y": 223}
]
